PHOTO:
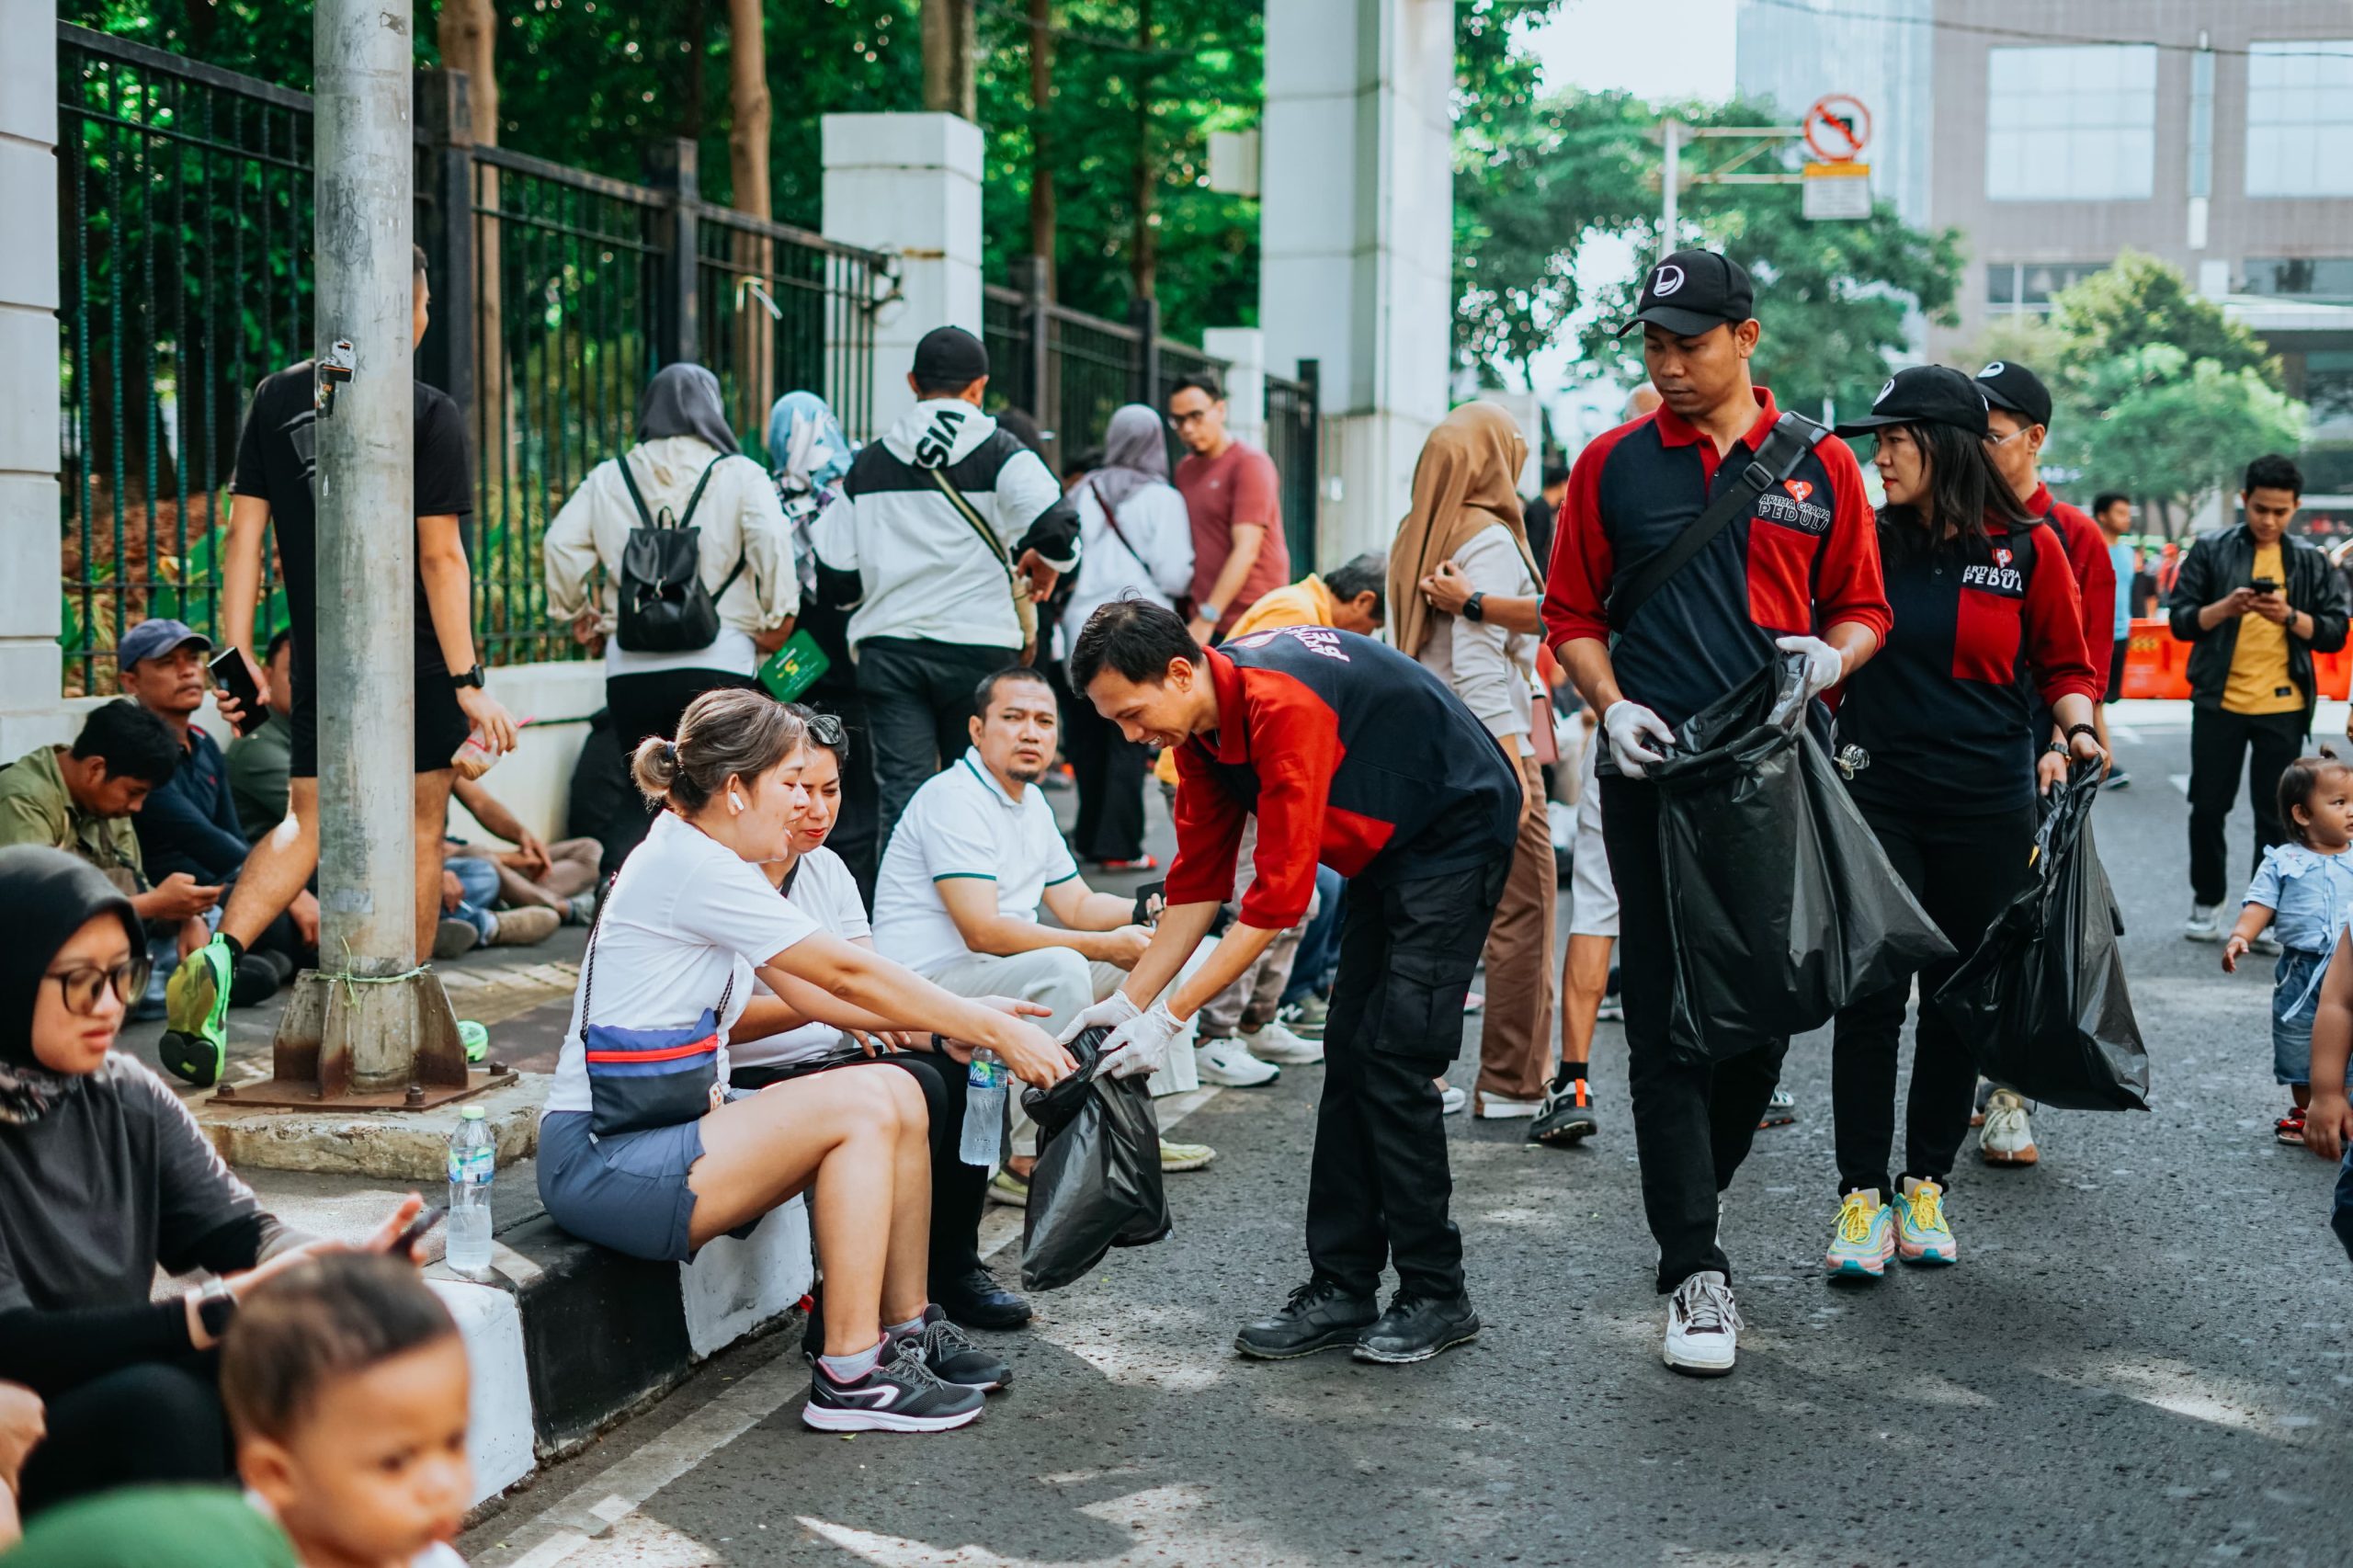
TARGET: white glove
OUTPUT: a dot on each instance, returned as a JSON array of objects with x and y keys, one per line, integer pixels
[
  {"x": 1628, "y": 725},
  {"x": 1824, "y": 666},
  {"x": 1139, "y": 1047},
  {"x": 1109, "y": 1012}
]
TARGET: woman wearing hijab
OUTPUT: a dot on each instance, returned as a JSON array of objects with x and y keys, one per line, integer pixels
[
  {"x": 684, "y": 445},
  {"x": 1135, "y": 542},
  {"x": 104, "y": 1175},
  {"x": 1466, "y": 509}
]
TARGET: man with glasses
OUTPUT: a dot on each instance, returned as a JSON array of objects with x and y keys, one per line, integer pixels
[{"x": 1235, "y": 499}]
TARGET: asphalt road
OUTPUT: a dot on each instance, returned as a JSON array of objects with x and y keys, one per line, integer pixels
[{"x": 2141, "y": 1358}]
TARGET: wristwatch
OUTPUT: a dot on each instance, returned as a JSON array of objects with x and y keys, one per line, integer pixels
[
  {"x": 473, "y": 678},
  {"x": 1473, "y": 609},
  {"x": 215, "y": 1305},
  {"x": 1210, "y": 613}
]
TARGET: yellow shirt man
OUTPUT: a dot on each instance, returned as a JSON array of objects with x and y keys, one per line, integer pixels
[
  {"x": 1305, "y": 603},
  {"x": 2258, "y": 681}
]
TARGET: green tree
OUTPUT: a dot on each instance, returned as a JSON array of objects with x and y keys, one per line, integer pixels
[{"x": 2141, "y": 302}]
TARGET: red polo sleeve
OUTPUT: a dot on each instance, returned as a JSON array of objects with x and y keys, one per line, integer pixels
[
  {"x": 2095, "y": 576},
  {"x": 1576, "y": 580},
  {"x": 1847, "y": 584},
  {"x": 2055, "y": 630},
  {"x": 1295, "y": 749}
]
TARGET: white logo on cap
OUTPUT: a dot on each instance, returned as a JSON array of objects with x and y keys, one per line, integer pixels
[
  {"x": 1883, "y": 392},
  {"x": 1667, "y": 280},
  {"x": 1990, "y": 372}
]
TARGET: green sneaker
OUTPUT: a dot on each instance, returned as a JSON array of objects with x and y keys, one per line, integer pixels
[
  {"x": 474, "y": 1038},
  {"x": 196, "y": 1015}
]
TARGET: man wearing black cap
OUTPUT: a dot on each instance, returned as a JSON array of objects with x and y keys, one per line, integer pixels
[
  {"x": 1705, "y": 538},
  {"x": 952, "y": 529}
]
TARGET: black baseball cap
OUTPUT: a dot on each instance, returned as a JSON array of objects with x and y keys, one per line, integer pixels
[
  {"x": 1693, "y": 291},
  {"x": 949, "y": 357},
  {"x": 1924, "y": 394},
  {"x": 2012, "y": 386}
]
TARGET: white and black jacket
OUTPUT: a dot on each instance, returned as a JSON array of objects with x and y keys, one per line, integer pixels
[{"x": 924, "y": 572}]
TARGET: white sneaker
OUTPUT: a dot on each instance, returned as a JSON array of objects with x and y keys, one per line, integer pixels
[
  {"x": 2203, "y": 924},
  {"x": 2007, "y": 1137},
  {"x": 1277, "y": 1043},
  {"x": 1450, "y": 1100},
  {"x": 1228, "y": 1062},
  {"x": 1494, "y": 1108},
  {"x": 1703, "y": 1326}
]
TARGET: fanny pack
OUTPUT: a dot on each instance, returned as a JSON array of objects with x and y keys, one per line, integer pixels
[{"x": 641, "y": 1079}]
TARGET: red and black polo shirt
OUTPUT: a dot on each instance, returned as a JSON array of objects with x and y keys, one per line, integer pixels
[
  {"x": 1805, "y": 558},
  {"x": 1946, "y": 711},
  {"x": 1350, "y": 754}
]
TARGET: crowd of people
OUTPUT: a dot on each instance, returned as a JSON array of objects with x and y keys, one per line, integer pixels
[{"x": 818, "y": 916}]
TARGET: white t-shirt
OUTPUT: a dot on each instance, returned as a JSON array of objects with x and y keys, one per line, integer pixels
[
  {"x": 686, "y": 915},
  {"x": 824, "y": 890},
  {"x": 962, "y": 824}
]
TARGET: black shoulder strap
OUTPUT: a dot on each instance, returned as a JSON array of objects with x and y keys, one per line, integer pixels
[
  {"x": 1112, "y": 518},
  {"x": 1793, "y": 435},
  {"x": 629, "y": 482}
]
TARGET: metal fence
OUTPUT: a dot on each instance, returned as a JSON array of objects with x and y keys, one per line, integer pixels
[
  {"x": 1293, "y": 425},
  {"x": 185, "y": 199}
]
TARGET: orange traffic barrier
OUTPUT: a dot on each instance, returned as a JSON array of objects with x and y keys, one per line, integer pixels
[{"x": 2157, "y": 665}]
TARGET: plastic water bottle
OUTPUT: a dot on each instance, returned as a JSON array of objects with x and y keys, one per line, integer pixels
[
  {"x": 473, "y": 1162},
  {"x": 985, "y": 1086}
]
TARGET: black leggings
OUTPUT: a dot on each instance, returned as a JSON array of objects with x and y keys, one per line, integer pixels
[
  {"x": 958, "y": 1191},
  {"x": 1963, "y": 870},
  {"x": 158, "y": 1423}
]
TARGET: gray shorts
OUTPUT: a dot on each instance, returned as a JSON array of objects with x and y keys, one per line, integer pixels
[{"x": 627, "y": 1193}]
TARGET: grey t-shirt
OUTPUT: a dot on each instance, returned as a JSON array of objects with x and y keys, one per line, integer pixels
[{"x": 114, "y": 1179}]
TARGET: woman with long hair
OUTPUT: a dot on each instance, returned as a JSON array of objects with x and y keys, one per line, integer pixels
[
  {"x": 1986, "y": 617},
  {"x": 645, "y": 1147}
]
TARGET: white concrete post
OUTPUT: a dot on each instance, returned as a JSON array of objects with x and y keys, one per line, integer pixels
[
  {"x": 1243, "y": 349},
  {"x": 1357, "y": 235},
  {"x": 32, "y": 556},
  {"x": 908, "y": 184}
]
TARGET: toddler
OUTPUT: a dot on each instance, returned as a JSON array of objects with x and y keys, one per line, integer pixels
[
  {"x": 345, "y": 1384},
  {"x": 2303, "y": 891}
]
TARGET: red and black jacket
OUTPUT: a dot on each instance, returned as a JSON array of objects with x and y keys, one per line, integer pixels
[
  {"x": 1946, "y": 711},
  {"x": 1803, "y": 558},
  {"x": 2089, "y": 561},
  {"x": 1350, "y": 754}
]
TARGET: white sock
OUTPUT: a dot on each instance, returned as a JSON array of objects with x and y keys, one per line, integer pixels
[
  {"x": 849, "y": 1368},
  {"x": 902, "y": 1330}
]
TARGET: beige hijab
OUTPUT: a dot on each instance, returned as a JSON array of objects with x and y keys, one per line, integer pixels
[{"x": 1466, "y": 479}]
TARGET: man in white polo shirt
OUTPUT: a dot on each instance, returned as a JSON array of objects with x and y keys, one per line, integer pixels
[{"x": 974, "y": 856}]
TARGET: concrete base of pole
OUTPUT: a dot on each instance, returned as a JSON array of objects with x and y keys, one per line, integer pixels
[
  {"x": 407, "y": 1146},
  {"x": 370, "y": 1037}
]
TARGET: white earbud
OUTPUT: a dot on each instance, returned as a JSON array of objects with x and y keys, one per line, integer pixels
[{"x": 735, "y": 800}]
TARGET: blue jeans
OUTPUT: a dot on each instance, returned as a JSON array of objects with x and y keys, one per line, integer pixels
[
  {"x": 1319, "y": 946},
  {"x": 478, "y": 890},
  {"x": 2295, "y": 1003},
  {"x": 2340, "y": 1213}
]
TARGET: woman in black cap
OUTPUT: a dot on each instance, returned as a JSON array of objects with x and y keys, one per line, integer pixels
[
  {"x": 1984, "y": 602},
  {"x": 104, "y": 1175}
]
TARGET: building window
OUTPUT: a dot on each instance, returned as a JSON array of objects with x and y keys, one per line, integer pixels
[
  {"x": 2327, "y": 278},
  {"x": 2328, "y": 385},
  {"x": 2025, "y": 288},
  {"x": 2300, "y": 118},
  {"x": 2075, "y": 124}
]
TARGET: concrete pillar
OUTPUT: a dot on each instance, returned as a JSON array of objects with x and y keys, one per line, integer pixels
[
  {"x": 1243, "y": 349},
  {"x": 1356, "y": 239},
  {"x": 30, "y": 552},
  {"x": 909, "y": 184}
]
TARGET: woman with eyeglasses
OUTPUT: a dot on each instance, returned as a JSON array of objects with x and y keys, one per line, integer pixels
[
  {"x": 104, "y": 1177},
  {"x": 1986, "y": 623}
]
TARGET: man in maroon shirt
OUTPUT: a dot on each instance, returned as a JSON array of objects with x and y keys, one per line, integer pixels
[
  {"x": 1796, "y": 570},
  {"x": 1233, "y": 495}
]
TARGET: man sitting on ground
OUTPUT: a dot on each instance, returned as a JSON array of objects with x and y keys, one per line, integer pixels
[{"x": 972, "y": 857}]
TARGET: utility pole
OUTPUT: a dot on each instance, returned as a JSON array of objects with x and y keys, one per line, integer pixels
[
  {"x": 947, "y": 46},
  {"x": 1670, "y": 185}
]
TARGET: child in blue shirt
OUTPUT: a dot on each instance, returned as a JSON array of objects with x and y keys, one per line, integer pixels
[{"x": 2303, "y": 891}]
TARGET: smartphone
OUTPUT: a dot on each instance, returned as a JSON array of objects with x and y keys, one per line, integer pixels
[
  {"x": 1150, "y": 898},
  {"x": 2266, "y": 584},
  {"x": 425, "y": 1219},
  {"x": 230, "y": 674}
]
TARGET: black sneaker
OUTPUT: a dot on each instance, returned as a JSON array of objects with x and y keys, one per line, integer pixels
[
  {"x": 1320, "y": 1316},
  {"x": 1415, "y": 1328},
  {"x": 1564, "y": 1115},
  {"x": 953, "y": 1357},
  {"x": 901, "y": 1394}
]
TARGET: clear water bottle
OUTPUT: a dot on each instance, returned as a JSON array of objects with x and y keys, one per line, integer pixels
[
  {"x": 984, "y": 1088},
  {"x": 473, "y": 1162}
]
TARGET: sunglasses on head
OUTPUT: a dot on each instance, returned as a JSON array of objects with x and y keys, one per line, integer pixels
[
  {"x": 827, "y": 729},
  {"x": 82, "y": 985}
]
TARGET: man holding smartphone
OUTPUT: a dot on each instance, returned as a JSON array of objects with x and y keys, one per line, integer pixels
[
  {"x": 2258, "y": 604},
  {"x": 275, "y": 493}
]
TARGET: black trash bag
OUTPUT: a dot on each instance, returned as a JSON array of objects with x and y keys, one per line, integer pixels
[
  {"x": 1782, "y": 907},
  {"x": 1098, "y": 1184},
  {"x": 2042, "y": 998}
]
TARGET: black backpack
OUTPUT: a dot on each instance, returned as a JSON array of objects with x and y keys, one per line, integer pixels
[{"x": 665, "y": 606}]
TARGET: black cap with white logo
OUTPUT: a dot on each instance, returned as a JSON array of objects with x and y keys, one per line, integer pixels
[
  {"x": 1694, "y": 291},
  {"x": 1924, "y": 394},
  {"x": 2012, "y": 386}
]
